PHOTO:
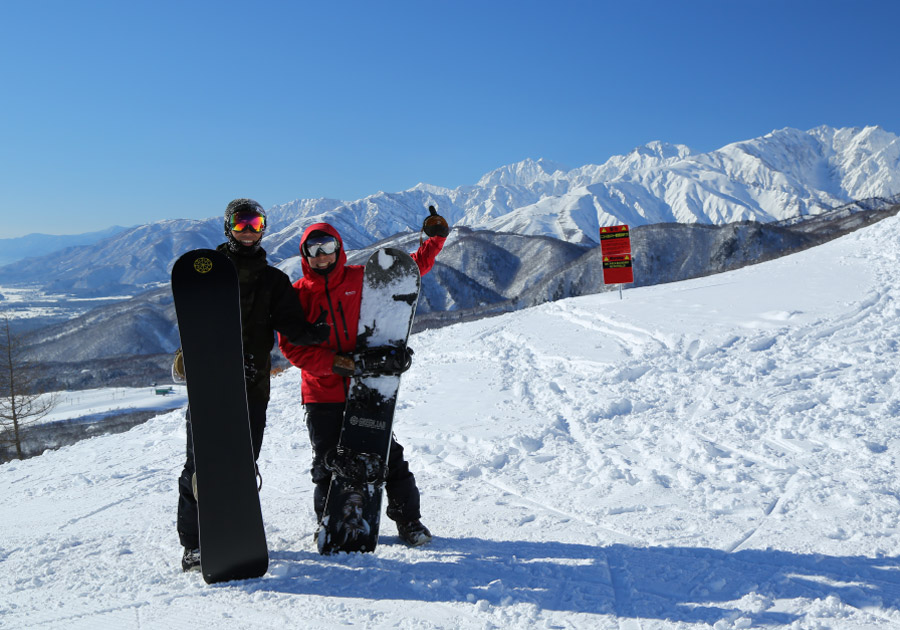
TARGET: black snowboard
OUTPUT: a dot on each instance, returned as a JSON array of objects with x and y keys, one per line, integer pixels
[
  {"x": 353, "y": 507},
  {"x": 207, "y": 304}
]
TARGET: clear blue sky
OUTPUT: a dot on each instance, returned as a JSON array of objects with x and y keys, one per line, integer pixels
[{"x": 130, "y": 111}]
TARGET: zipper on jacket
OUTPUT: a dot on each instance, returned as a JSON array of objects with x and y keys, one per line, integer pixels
[
  {"x": 344, "y": 321},
  {"x": 337, "y": 336}
]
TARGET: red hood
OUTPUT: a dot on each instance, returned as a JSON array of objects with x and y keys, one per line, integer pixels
[{"x": 341, "y": 259}]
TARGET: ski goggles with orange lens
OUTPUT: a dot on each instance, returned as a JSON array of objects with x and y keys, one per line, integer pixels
[
  {"x": 240, "y": 221},
  {"x": 319, "y": 245}
]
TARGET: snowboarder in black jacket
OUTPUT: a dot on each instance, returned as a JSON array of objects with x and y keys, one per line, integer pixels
[{"x": 268, "y": 304}]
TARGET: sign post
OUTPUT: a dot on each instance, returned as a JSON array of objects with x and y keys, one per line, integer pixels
[{"x": 615, "y": 248}]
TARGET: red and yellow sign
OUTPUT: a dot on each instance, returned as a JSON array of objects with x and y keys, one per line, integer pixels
[
  {"x": 615, "y": 247},
  {"x": 617, "y": 269},
  {"x": 615, "y": 240}
]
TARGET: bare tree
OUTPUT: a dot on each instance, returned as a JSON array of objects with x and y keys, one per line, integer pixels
[{"x": 20, "y": 403}]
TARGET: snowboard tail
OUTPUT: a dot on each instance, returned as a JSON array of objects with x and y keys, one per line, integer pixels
[{"x": 207, "y": 304}]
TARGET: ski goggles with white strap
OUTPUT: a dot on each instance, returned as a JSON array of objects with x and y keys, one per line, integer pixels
[{"x": 319, "y": 245}]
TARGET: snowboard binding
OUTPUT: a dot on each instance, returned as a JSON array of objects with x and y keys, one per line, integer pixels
[
  {"x": 355, "y": 466},
  {"x": 383, "y": 360}
]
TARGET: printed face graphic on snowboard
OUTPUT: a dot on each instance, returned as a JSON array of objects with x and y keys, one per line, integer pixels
[{"x": 352, "y": 525}]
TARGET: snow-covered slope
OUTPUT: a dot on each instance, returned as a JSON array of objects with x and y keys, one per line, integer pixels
[{"x": 715, "y": 453}]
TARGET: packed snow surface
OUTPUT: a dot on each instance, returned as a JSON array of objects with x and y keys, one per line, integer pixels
[
  {"x": 716, "y": 453},
  {"x": 92, "y": 403}
]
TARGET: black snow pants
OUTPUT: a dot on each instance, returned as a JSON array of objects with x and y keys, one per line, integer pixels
[
  {"x": 323, "y": 420},
  {"x": 188, "y": 524}
]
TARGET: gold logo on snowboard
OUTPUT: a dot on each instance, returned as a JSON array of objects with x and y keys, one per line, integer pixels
[{"x": 203, "y": 265}]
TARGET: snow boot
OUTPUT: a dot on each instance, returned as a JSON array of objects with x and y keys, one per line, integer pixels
[
  {"x": 190, "y": 561},
  {"x": 413, "y": 533}
]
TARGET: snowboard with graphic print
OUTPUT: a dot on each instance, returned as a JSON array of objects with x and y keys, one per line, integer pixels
[{"x": 353, "y": 507}]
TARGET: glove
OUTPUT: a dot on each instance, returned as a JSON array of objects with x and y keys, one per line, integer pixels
[
  {"x": 435, "y": 224},
  {"x": 374, "y": 361},
  {"x": 343, "y": 365},
  {"x": 250, "y": 370},
  {"x": 178, "y": 367},
  {"x": 315, "y": 333}
]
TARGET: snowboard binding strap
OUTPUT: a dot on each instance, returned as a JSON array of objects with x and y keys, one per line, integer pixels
[{"x": 359, "y": 467}]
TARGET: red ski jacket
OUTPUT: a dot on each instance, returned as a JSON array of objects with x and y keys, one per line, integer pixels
[{"x": 338, "y": 294}]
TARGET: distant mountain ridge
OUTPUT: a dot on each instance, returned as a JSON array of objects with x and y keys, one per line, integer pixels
[
  {"x": 780, "y": 176},
  {"x": 31, "y": 245},
  {"x": 478, "y": 274}
]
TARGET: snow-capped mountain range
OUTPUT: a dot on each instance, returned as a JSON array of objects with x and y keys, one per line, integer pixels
[
  {"x": 504, "y": 253},
  {"x": 782, "y": 175}
]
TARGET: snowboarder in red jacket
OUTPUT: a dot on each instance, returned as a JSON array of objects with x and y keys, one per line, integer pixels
[{"x": 329, "y": 284}]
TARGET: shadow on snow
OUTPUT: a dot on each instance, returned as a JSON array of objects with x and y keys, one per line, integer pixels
[{"x": 684, "y": 584}]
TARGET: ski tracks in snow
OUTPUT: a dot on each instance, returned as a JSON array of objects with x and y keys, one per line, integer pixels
[{"x": 736, "y": 437}]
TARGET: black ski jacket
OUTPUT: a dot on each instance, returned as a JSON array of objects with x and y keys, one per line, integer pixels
[{"x": 268, "y": 303}]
